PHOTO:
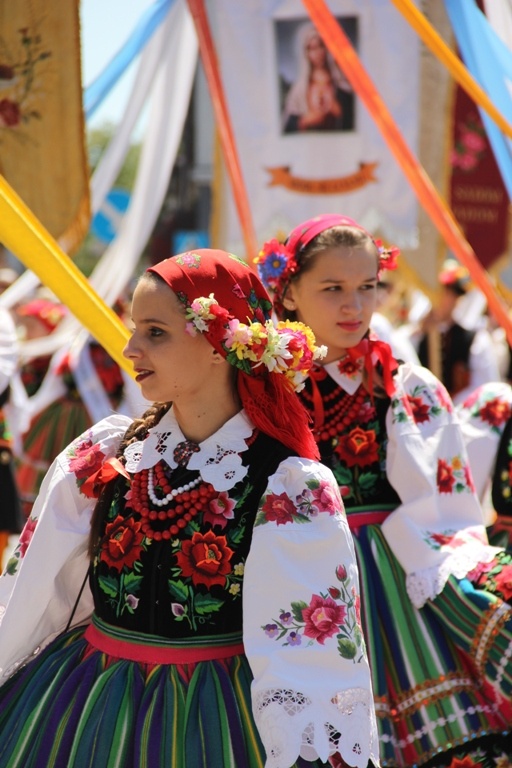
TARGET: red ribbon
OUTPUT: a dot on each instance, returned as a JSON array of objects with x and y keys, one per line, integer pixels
[
  {"x": 107, "y": 472},
  {"x": 368, "y": 348},
  {"x": 317, "y": 373}
]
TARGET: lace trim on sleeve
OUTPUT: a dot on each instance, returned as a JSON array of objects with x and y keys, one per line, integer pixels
[
  {"x": 429, "y": 583},
  {"x": 291, "y": 724}
]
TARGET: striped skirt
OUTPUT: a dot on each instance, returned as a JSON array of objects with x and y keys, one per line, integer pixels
[
  {"x": 49, "y": 433},
  {"x": 103, "y": 698},
  {"x": 442, "y": 675}
]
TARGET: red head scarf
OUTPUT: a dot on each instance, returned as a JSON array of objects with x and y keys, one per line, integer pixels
[{"x": 218, "y": 289}]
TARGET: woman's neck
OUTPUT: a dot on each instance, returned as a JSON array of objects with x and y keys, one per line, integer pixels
[{"x": 198, "y": 421}]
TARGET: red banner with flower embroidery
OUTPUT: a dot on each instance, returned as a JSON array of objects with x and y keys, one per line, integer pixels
[
  {"x": 42, "y": 138},
  {"x": 478, "y": 197}
]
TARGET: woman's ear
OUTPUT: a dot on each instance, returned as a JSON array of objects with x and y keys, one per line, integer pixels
[
  {"x": 217, "y": 357},
  {"x": 288, "y": 299}
]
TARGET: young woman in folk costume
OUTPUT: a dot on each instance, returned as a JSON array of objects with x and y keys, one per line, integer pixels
[
  {"x": 214, "y": 495},
  {"x": 439, "y": 635}
]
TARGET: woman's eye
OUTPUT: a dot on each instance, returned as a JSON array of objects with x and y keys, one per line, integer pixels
[{"x": 155, "y": 332}]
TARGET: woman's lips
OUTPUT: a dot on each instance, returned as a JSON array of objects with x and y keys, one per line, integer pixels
[
  {"x": 355, "y": 326},
  {"x": 141, "y": 375}
]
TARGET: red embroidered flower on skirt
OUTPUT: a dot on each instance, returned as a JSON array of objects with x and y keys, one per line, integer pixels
[
  {"x": 323, "y": 618},
  {"x": 495, "y": 412},
  {"x": 358, "y": 448},
  {"x": 124, "y": 543},
  {"x": 206, "y": 559},
  {"x": 445, "y": 477},
  {"x": 279, "y": 509}
]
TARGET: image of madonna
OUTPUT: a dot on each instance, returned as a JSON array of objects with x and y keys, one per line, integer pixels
[{"x": 319, "y": 97}]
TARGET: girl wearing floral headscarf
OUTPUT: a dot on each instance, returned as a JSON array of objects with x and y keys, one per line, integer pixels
[
  {"x": 219, "y": 625},
  {"x": 434, "y": 593}
]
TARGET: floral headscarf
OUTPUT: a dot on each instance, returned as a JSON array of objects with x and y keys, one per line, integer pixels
[{"x": 224, "y": 300}]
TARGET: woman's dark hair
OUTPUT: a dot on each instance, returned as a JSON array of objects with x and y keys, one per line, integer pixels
[{"x": 138, "y": 430}]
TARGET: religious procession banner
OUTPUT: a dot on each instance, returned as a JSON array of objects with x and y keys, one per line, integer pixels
[
  {"x": 306, "y": 142},
  {"x": 42, "y": 139},
  {"x": 477, "y": 194}
]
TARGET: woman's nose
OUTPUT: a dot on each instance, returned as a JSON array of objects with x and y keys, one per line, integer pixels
[
  {"x": 351, "y": 301},
  {"x": 130, "y": 350}
]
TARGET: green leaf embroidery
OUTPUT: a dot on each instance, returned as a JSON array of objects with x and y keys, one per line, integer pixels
[
  {"x": 12, "y": 565},
  {"x": 207, "y": 604},
  {"x": 343, "y": 475},
  {"x": 367, "y": 481},
  {"x": 297, "y": 608},
  {"x": 109, "y": 585},
  {"x": 132, "y": 582},
  {"x": 260, "y": 519},
  {"x": 237, "y": 535},
  {"x": 179, "y": 590}
]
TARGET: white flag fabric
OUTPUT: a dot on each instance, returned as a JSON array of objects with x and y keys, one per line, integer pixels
[{"x": 306, "y": 141}]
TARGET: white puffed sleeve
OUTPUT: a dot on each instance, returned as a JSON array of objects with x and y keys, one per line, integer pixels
[
  {"x": 483, "y": 417},
  {"x": 312, "y": 693},
  {"x": 438, "y": 530},
  {"x": 43, "y": 578}
]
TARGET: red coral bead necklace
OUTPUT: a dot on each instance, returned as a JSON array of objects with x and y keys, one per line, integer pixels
[
  {"x": 183, "y": 503},
  {"x": 342, "y": 413}
]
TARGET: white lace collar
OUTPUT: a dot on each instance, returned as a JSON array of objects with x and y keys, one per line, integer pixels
[
  {"x": 348, "y": 382},
  {"x": 218, "y": 458}
]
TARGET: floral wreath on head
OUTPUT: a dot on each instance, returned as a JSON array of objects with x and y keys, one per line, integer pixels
[
  {"x": 277, "y": 262},
  {"x": 286, "y": 347}
]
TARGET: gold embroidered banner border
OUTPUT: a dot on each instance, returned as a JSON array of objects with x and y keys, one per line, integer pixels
[{"x": 42, "y": 137}]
